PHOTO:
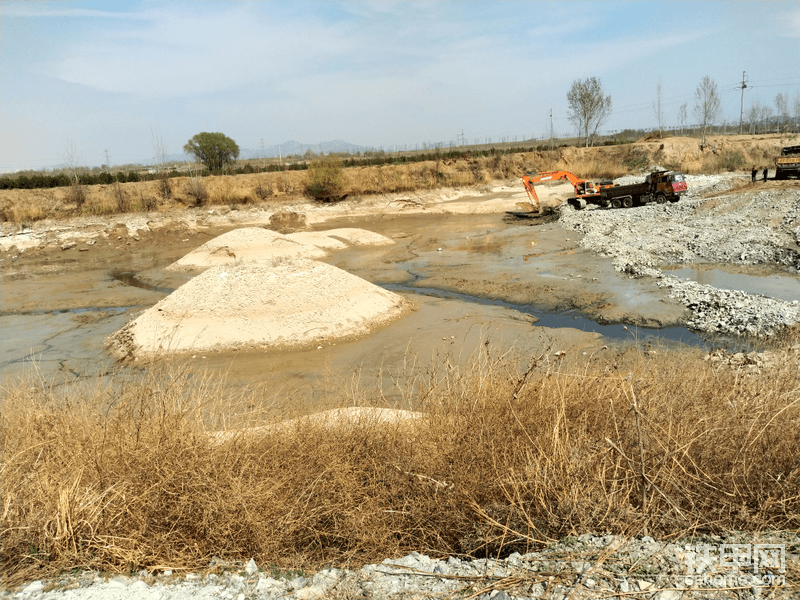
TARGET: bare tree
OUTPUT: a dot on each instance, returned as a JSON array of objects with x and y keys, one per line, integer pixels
[
  {"x": 588, "y": 108},
  {"x": 782, "y": 109},
  {"x": 707, "y": 107},
  {"x": 753, "y": 114},
  {"x": 796, "y": 111},
  {"x": 683, "y": 116},
  {"x": 765, "y": 117},
  {"x": 77, "y": 191},
  {"x": 659, "y": 111},
  {"x": 160, "y": 150}
]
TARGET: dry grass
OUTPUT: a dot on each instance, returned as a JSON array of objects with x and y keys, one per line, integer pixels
[
  {"x": 127, "y": 476},
  {"x": 26, "y": 206}
]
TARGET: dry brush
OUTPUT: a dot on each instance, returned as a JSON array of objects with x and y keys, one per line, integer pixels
[{"x": 128, "y": 476}]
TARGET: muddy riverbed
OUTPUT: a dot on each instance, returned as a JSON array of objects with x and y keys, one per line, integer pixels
[{"x": 475, "y": 275}]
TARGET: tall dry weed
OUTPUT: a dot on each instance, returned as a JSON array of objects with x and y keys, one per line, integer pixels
[{"x": 132, "y": 476}]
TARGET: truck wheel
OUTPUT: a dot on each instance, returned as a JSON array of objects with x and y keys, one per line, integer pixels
[
  {"x": 627, "y": 202},
  {"x": 660, "y": 198},
  {"x": 616, "y": 203}
]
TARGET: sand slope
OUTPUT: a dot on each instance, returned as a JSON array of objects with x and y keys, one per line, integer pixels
[{"x": 289, "y": 303}]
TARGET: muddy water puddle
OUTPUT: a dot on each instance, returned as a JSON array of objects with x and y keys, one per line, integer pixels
[
  {"x": 130, "y": 278},
  {"x": 65, "y": 344},
  {"x": 617, "y": 331},
  {"x": 763, "y": 281}
]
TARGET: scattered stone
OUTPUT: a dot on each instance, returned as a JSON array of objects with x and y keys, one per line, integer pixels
[
  {"x": 567, "y": 564},
  {"x": 251, "y": 567}
]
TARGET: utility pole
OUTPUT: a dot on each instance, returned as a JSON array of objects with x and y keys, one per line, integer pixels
[
  {"x": 263, "y": 156},
  {"x": 551, "y": 129},
  {"x": 741, "y": 106}
]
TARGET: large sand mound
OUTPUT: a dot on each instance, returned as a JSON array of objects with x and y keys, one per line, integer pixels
[
  {"x": 257, "y": 243},
  {"x": 290, "y": 303}
]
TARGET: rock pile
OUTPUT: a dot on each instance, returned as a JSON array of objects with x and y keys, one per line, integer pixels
[{"x": 732, "y": 311}]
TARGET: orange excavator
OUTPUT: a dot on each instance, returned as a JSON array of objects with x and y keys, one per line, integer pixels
[{"x": 584, "y": 190}]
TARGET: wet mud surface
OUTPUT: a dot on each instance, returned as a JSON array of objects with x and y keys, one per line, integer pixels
[{"x": 477, "y": 279}]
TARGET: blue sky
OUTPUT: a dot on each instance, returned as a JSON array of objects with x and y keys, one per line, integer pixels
[{"x": 97, "y": 76}]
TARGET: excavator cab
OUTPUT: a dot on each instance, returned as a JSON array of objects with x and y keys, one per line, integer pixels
[{"x": 585, "y": 188}]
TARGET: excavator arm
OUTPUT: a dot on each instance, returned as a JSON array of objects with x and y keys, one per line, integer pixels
[
  {"x": 582, "y": 187},
  {"x": 531, "y": 178}
]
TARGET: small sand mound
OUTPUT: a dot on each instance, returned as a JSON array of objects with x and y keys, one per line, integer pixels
[
  {"x": 247, "y": 243},
  {"x": 321, "y": 239},
  {"x": 294, "y": 303},
  {"x": 367, "y": 417},
  {"x": 359, "y": 237},
  {"x": 341, "y": 238}
]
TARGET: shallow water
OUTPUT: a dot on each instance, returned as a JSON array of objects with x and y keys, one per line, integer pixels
[
  {"x": 615, "y": 331},
  {"x": 781, "y": 285}
]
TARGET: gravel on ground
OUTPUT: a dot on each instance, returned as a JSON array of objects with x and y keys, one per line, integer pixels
[
  {"x": 750, "y": 227},
  {"x": 585, "y": 567}
]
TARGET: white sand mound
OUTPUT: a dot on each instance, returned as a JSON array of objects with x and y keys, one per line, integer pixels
[
  {"x": 247, "y": 243},
  {"x": 257, "y": 243},
  {"x": 260, "y": 304}
]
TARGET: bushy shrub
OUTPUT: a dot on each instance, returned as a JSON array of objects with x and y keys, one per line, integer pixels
[
  {"x": 77, "y": 193},
  {"x": 325, "y": 180},
  {"x": 197, "y": 190},
  {"x": 731, "y": 160}
]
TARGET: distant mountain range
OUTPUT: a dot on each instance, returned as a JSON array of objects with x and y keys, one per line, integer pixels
[{"x": 290, "y": 148}]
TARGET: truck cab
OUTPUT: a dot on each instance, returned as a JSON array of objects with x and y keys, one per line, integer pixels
[
  {"x": 670, "y": 183},
  {"x": 788, "y": 163}
]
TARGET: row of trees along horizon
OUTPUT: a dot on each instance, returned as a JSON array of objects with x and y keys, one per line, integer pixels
[{"x": 589, "y": 107}]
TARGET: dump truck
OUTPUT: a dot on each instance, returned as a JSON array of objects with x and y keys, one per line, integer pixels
[
  {"x": 788, "y": 163},
  {"x": 658, "y": 187}
]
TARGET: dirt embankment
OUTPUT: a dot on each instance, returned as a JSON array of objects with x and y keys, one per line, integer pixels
[{"x": 721, "y": 154}]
